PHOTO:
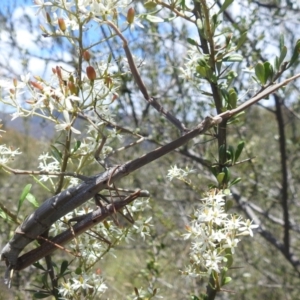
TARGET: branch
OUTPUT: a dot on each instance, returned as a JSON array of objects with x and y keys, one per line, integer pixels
[
  {"x": 263, "y": 94},
  {"x": 284, "y": 179},
  {"x": 291, "y": 257},
  {"x": 89, "y": 220},
  {"x": 61, "y": 204},
  {"x": 29, "y": 172},
  {"x": 137, "y": 77}
]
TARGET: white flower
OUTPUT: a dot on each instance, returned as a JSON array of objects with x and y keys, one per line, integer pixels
[
  {"x": 231, "y": 243},
  {"x": 212, "y": 260},
  {"x": 211, "y": 232},
  {"x": 81, "y": 282},
  {"x": 41, "y": 4},
  {"x": 246, "y": 228},
  {"x": 7, "y": 154},
  {"x": 25, "y": 78},
  {"x": 67, "y": 125},
  {"x": 178, "y": 173}
]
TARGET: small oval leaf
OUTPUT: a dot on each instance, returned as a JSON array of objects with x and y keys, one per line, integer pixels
[{"x": 260, "y": 73}]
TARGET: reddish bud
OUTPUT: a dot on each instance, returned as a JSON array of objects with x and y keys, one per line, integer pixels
[
  {"x": 91, "y": 73},
  {"x": 31, "y": 101},
  {"x": 114, "y": 97},
  {"x": 86, "y": 55},
  {"x": 62, "y": 24},
  {"x": 58, "y": 72},
  {"x": 37, "y": 85},
  {"x": 130, "y": 15},
  {"x": 15, "y": 82}
]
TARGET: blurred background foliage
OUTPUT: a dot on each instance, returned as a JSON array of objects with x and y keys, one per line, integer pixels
[{"x": 260, "y": 270}]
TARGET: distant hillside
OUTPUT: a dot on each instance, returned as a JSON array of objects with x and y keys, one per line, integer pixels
[{"x": 32, "y": 126}]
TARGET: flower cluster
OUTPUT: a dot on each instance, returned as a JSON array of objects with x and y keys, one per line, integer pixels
[
  {"x": 84, "y": 284},
  {"x": 215, "y": 234},
  {"x": 7, "y": 154},
  {"x": 179, "y": 173}
]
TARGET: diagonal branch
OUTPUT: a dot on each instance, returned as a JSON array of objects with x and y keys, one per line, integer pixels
[
  {"x": 89, "y": 220},
  {"x": 59, "y": 205},
  {"x": 291, "y": 257},
  {"x": 137, "y": 77}
]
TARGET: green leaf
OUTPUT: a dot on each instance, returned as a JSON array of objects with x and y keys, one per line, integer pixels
[
  {"x": 39, "y": 266},
  {"x": 225, "y": 5},
  {"x": 229, "y": 258},
  {"x": 239, "y": 150},
  {"x": 232, "y": 98},
  {"x": 154, "y": 19},
  {"x": 76, "y": 146},
  {"x": 241, "y": 40},
  {"x": 226, "y": 280},
  {"x": 220, "y": 177},
  {"x": 230, "y": 77},
  {"x": 219, "y": 66},
  {"x": 192, "y": 42},
  {"x": 56, "y": 153},
  {"x": 63, "y": 267},
  {"x": 269, "y": 72},
  {"x": 200, "y": 28},
  {"x": 109, "y": 58},
  {"x": 227, "y": 174},
  {"x": 24, "y": 193},
  {"x": 295, "y": 54},
  {"x": 201, "y": 71},
  {"x": 41, "y": 295},
  {"x": 4, "y": 215},
  {"x": 229, "y": 203},
  {"x": 41, "y": 184},
  {"x": 214, "y": 23},
  {"x": 31, "y": 199},
  {"x": 230, "y": 153},
  {"x": 233, "y": 57},
  {"x": 214, "y": 170},
  {"x": 260, "y": 73},
  {"x": 276, "y": 63},
  {"x": 150, "y": 4},
  {"x": 282, "y": 56},
  {"x": 281, "y": 42},
  {"x": 235, "y": 181}
]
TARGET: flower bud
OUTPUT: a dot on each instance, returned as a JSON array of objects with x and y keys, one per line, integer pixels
[
  {"x": 30, "y": 101},
  {"x": 15, "y": 82},
  {"x": 37, "y": 85},
  {"x": 72, "y": 88},
  {"x": 108, "y": 81},
  {"x": 91, "y": 73},
  {"x": 48, "y": 17},
  {"x": 44, "y": 30},
  {"x": 58, "y": 72},
  {"x": 130, "y": 15},
  {"x": 62, "y": 24},
  {"x": 86, "y": 55},
  {"x": 114, "y": 97}
]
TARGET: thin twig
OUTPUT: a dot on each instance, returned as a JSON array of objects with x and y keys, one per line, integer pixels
[{"x": 137, "y": 77}]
